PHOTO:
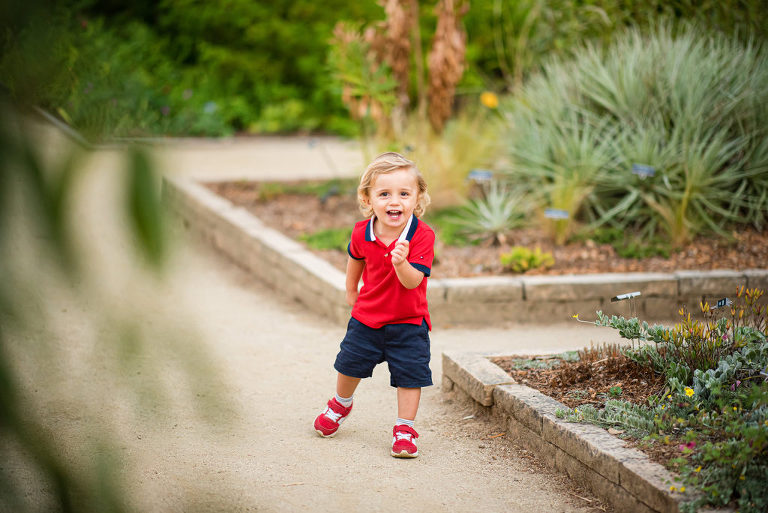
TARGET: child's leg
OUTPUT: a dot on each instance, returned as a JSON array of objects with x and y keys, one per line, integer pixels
[
  {"x": 328, "y": 422},
  {"x": 346, "y": 385},
  {"x": 408, "y": 402},
  {"x": 404, "y": 435}
]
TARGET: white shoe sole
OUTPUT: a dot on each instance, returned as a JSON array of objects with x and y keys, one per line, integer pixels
[
  {"x": 325, "y": 436},
  {"x": 404, "y": 454}
]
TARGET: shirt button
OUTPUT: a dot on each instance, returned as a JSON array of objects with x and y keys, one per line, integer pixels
[{"x": 386, "y": 254}]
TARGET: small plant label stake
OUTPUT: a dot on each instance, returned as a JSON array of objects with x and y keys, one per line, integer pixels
[
  {"x": 555, "y": 213},
  {"x": 722, "y": 302},
  {"x": 480, "y": 175},
  {"x": 632, "y": 307},
  {"x": 643, "y": 171},
  {"x": 622, "y": 297},
  {"x": 481, "y": 178}
]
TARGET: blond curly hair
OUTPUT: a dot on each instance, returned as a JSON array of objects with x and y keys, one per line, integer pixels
[{"x": 388, "y": 163}]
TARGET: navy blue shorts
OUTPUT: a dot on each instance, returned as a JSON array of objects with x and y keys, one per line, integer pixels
[{"x": 405, "y": 348}]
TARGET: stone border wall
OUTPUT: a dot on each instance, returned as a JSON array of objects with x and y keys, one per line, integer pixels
[
  {"x": 592, "y": 457},
  {"x": 290, "y": 267}
]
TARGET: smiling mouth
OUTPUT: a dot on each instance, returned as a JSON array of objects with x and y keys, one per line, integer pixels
[{"x": 394, "y": 213}]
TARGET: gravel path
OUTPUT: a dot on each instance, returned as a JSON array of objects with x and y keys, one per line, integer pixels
[{"x": 244, "y": 372}]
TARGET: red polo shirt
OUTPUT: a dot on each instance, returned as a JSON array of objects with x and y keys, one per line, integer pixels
[{"x": 383, "y": 299}]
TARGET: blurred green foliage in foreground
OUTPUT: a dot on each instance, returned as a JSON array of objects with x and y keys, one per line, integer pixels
[{"x": 75, "y": 358}]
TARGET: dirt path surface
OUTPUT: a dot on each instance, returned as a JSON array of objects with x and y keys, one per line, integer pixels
[
  {"x": 272, "y": 373},
  {"x": 276, "y": 359}
]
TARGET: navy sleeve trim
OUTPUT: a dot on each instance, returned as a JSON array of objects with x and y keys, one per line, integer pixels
[
  {"x": 349, "y": 250},
  {"x": 423, "y": 268}
]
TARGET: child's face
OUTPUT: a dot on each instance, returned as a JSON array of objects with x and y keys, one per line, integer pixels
[{"x": 393, "y": 198}]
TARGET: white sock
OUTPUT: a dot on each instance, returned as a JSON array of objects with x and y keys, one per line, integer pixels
[
  {"x": 346, "y": 402},
  {"x": 406, "y": 422}
]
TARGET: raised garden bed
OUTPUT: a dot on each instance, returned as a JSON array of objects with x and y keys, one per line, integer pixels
[
  {"x": 610, "y": 467},
  {"x": 299, "y": 209},
  {"x": 463, "y": 301}
]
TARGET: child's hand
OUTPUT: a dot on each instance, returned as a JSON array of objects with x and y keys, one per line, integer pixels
[
  {"x": 400, "y": 253},
  {"x": 352, "y": 297}
]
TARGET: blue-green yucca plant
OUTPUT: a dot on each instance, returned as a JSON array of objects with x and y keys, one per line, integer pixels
[
  {"x": 689, "y": 104},
  {"x": 559, "y": 152}
]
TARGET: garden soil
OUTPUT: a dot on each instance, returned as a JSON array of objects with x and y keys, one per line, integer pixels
[{"x": 199, "y": 387}]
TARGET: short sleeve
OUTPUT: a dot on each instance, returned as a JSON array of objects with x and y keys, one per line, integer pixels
[
  {"x": 349, "y": 251},
  {"x": 354, "y": 248},
  {"x": 421, "y": 251}
]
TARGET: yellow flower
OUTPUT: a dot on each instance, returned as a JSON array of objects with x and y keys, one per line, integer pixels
[
  {"x": 489, "y": 99},
  {"x": 697, "y": 469},
  {"x": 672, "y": 488},
  {"x": 575, "y": 316},
  {"x": 688, "y": 391},
  {"x": 742, "y": 478},
  {"x": 682, "y": 489},
  {"x": 734, "y": 408},
  {"x": 669, "y": 397}
]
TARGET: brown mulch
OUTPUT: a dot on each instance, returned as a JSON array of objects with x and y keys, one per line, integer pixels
[
  {"x": 296, "y": 214},
  {"x": 587, "y": 382}
]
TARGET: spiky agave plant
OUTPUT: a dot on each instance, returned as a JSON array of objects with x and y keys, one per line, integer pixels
[{"x": 492, "y": 216}]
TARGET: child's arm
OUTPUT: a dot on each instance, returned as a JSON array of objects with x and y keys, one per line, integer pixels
[
  {"x": 408, "y": 275},
  {"x": 354, "y": 272}
]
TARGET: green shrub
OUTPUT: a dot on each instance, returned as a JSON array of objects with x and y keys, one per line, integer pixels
[
  {"x": 521, "y": 259},
  {"x": 333, "y": 238},
  {"x": 715, "y": 405},
  {"x": 264, "y": 64},
  {"x": 182, "y": 67}
]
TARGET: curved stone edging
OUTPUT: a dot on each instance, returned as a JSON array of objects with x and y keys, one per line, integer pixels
[
  {"x": 591, "y": 456},
  {"x": 477, "y": 301}
]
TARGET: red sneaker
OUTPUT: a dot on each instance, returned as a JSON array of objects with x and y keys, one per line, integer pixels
[
  {"x": 328, "y": 422},
  {"x": 403, "y": 445}
]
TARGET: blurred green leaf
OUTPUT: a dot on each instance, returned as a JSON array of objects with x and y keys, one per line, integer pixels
[{"x": 144, "y": 207}]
